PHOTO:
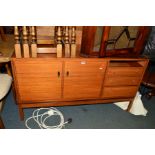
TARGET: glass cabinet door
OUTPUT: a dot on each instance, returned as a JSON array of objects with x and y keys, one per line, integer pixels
[
  {"x": 121, "y": 37},
  {"x": 98, "y": 39}
]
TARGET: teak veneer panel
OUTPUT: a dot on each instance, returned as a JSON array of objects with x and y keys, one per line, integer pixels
[
  {"x": 118, "y": 92},
  {"x": 38, "y": 87},
  {"x": 119, "y": 81},
  {"x": 36, "y": 65},
  {"x": 125, "y": 71},
  {"x": 83, "y": 79},
  {"x": 38, "y": 81}
]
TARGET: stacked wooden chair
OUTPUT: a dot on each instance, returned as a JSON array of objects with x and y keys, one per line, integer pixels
[{"x": 33, "y": 40}]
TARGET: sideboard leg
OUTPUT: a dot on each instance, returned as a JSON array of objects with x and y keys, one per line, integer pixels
[
  {"x": 1, "y": 124},
  {"x": 21, "y": 113},
  {"x": 130, "y": 105}
]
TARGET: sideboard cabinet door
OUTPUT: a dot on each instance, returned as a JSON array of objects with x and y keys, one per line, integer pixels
[
  {"x": 38, "y": 80},
  {"x": 83, "y": 78}
]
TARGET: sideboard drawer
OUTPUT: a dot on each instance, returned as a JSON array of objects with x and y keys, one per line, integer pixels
[
  {"x": 116, "y": 92},
  {"x": 120, "y": 81},
  {"x": 124, "y": 71}
]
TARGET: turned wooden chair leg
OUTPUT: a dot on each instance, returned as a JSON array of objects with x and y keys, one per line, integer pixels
[{"x": 1, "y": 124}]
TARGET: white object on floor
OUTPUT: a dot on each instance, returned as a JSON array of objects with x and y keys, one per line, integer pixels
[
  {"x": 137, "y": 106},
  {"x": 5, "y": 83},
  {"x": 42, "y": 114}
]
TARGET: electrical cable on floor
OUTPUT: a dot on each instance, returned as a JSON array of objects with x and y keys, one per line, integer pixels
[{"x": 41, "y": 117}]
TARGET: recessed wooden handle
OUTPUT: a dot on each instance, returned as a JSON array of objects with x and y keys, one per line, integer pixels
[
  {"x": 58, "y": 74},
  {"x": 67, "y": 73}
]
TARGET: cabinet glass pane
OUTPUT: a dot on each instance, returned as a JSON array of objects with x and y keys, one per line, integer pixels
[
  {"x": 98, "y": 38},
  {"x": 122, "y": 37}
]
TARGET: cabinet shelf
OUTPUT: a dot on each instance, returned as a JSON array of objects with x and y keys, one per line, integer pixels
[{"x": 124, "y": 64}]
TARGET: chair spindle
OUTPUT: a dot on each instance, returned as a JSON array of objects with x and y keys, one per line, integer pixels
[
  {"x": 33, "y": 43},
  {"x": 67, "y": 45},
  {"x": 25, "y": 43},
  {"x": 17, "y": 43},
  {"x": 73, "y": 42},
  {"x": 59, "y": 43}
]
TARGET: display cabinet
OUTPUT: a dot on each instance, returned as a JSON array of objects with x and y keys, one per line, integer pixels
[{"x": 103, "y": 41}]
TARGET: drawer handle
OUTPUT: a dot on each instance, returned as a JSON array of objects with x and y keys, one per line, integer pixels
[
  {"x": 67, "y": 73},
  {"x": 58, "y": 74}
]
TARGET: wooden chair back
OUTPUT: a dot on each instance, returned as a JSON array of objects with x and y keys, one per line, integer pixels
[{"x": 59, "y": 40}]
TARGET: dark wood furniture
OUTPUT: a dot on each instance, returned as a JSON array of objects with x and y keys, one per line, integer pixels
[
  {"x": 149, "y": 82},
  {"x": 103, "y": 41}
]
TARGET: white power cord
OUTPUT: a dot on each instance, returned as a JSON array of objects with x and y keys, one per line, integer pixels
[{"x": 40, "y": 118}]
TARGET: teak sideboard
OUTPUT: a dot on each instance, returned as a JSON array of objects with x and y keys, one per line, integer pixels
[{"x": 42, "y": 82}]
